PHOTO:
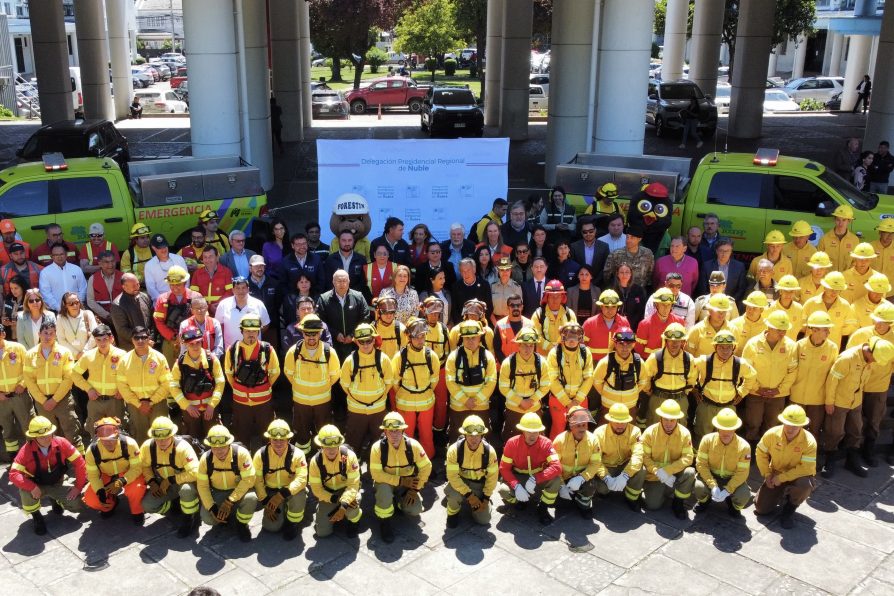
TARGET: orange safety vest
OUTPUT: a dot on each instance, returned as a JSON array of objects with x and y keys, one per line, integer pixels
[
  {"x": 507, "y": 337},
  {"x": 251, "y": 396},
  {"x": 4, "y": 254},
  {"x": 9, "y": 271}
]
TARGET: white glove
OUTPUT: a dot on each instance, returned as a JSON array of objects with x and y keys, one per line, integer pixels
[
  {"x": 531, "y": 485},
  {"x": 724, "y": 494},
  {"x": 521, "y": 494},
  {"x": 663, "y": 477},
  {"x": 717, "y": 494},
  {"x": 565, "y": 492},
  {"x": 621, "y": 481},
  {"x": 575, "y": 483}
]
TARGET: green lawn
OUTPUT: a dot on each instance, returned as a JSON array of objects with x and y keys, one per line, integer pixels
[{"x": 461, "y": 77}]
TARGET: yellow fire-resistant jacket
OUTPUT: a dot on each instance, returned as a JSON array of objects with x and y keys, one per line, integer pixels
[
  {"x": 744, "y": 329},
  {"x": 602, "y": 381},
  {"x": 390, "y": 467},
  {"x": 855, "y": 289},
  {"x": 368, "y": 392},
  {"x": 840, "y": 312},
  {"x": 414, "y": 391},
  {"x": 102, "y": 370},
  {"x": 721, "y": 387},
  {"x": 879, "y": 376},
  {"x": 312, "y": 377},
  {"x": 577, "y": 457},
  {"x": 217, "y": 374},
  {"x": 12, "y": 366},
  {"x": 861, "y": 309},
  {"x": 113, "y": 462},
  {"x": 700, "y": 340},
  {"x": 795, "y": 313},
  {"x": 776, "y": 367},
  {"x": 547, "y": 325},
  {"x": 716, "y": 460},
  {"x": 138, "y": 379},
  {"x": 577, "y": 370},
  {"x": 283, "y": 472},
  {"x": 48, "y": 377},
  {"x": 674, "y": 377},
  {"x": 221, "y": 475},
  {"x": 846, "y": 380},
  {"x": 182, "y": 469},
  {"x": 473, "y": 467},
  {"x": 341, "y": 476},
  {"x": 459, "y": 393},
  {"x": 487, "y": 340},
  {"x": 616, "y": 450},
  {"x": 814, "y": 364},
  {"x": 789, "y": 460},
  {"x": 673, "y": 452},
  {"x": 799, "y": 257},
  {"x": 525, "y": 384},
  {"x": 838, "y": 249},
  {"x": 391, "y": 337}
]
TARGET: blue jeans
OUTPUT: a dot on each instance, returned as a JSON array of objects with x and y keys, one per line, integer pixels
[{"x": 690, "y": 127}]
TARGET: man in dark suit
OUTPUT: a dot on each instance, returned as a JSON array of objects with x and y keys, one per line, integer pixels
[
  {"x": 457, "y": 248},
  {"x": 345, "y": 258},
  {"x": 590, "y": 251},
  {"x": 435, "y": 261},
  {"x": 469, "y": 286},
  {"x": 736, "y": 282},
  {"x": 342, "y": 309},
  {"x": 392, "y": 239},
  {"x": 301, "y": 262},
  {"x": 532, "y": 289}
]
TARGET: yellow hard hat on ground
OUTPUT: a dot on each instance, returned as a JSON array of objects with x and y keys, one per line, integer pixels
[
  {"x": 774, "y": 237},
  {"x": 883, "y": 313},
  {"x": 40, "y": 427},
  {"x": 821, "y": 318},
  {"x": 834, "y": 280},
  {"x": 218, "y": 436},
  {"x": 800, "y": 228},
  {"x": 726, "y": 419},
  {"x": 794, "y": 415},
  {"x": 530, "y": 423},
  {"x": 619, "y": 413},
  {"x": 674, "y": 331},
  {"x": 863, "y": 250},
  {"x": 756, "y": 299},
  {"x": 670, "y": 409},
  {"x": 819, "y": 260},
  {"x": 882, "y": 350},
  {"x": 162, "y": 428},
  {"x": 844, "y": 212},
  {"x": 279, "y": 429},
  {"x": 329, "y": 436},
  {"x": 473, "y": 426},
  {"x": 788, "y": 283},
  {"x": 393, "y": 421},
  {"x": 778, "y": 319},
  {"x": 878, "y": 283}
]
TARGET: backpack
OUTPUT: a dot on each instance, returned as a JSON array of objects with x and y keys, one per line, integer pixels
[
  {"x": 289, "y": 460},
  {"x": 325, "y": 476},
  {"x": 405, "y": 364},
  {"x": 537, "y": 359},
  {"x": 659, "y": 356},
  {"x": 462, "y": 362},
  {"x": 256, "y": 370},
  {"x": 461, "y": 455},
  {"x": 234, "y": 460},
  {"x": 326, "y": 352},
  {"x": 408, "y": 451},
  {"x": 614, "y": 370},
  {"x": 153, "y": 456},
  {"x": 97, "y": 457},
  {"x": 709, "y": 372},
  {"x": 584, "y": 352},
  {"x": 355, "y": 357}
]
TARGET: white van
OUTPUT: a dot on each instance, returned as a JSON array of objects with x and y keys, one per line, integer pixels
[{"x": 77, "y": 91}]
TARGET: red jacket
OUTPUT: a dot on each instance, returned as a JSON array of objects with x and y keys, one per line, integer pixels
[
  {"x": 4, "y": 253},
  {"x": 91, "y": 253},
  {"x": 214, "y": 289},
  {"x": 24, "y": 467},
  {"x": 648, "y": 334},
  {"x": 519, "y": 457},
  {"x": 598, "y": 336},
  {"x": 41, "y": 254},
  {"x": 161, "y": 314},
  {"x": 8, "y": 271}
]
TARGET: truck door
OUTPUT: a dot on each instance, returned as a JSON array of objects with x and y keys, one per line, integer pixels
[
  {"x": 28, "y": 205},
  {"x": 740, "y": 200},
  {"x": 797, "y": 198},
  {"x": 84, "y": 200}
]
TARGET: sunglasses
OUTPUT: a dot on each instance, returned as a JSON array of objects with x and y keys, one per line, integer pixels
[
  {"x": 522, "y": 251},
  {"x": 312, "y": 333},
  {"x": 34, "y": 300},
  {"x": 392, "y": 426},
  {"x": 97, "y": 235},
  {"x": 364, "y": 342},
  {"x": 611, "y": 303}
]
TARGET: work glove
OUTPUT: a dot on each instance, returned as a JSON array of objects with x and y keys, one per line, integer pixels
[
  {"x": 102, "y": 495},
  {"x": 410, "y": 482},
  {"x": 575, "y": 483},
  {"x": 724, "y": 494},
  {"x": 531, "y": 485},
  {"x": 271, "y": 511},
  {"x": 338, "y": 515},
  {"x": 115, "y": 487},
  {"x": 223, "y": 511},
  {"x": 664, "y": 477},
  {"x": 410, "y": 498},
  {"x": 349, "y": 504},
  {"x": 621, "y": 481},
  {"x": 717, "y": 494},
  {"x": 565, "y": 492},
  {"x": 474, "y": 502},
  {"x": 521, "y": 494}
]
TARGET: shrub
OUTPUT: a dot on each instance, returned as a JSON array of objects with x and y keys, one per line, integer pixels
[
  {"x": 431, "y": 64},
  {"x": 450, "y": 67},
  {"x": 5, "y": 112},
  {"x": 376, "y": 57},
  {"x": 139, "y": 60},
  {"x": 812, "y": 105}
]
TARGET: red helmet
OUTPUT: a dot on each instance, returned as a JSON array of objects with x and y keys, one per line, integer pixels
[
  {"x": 554, "y": 286},
  {"x": 657, "y": 190},
  {"x": 624, "y": 334}
]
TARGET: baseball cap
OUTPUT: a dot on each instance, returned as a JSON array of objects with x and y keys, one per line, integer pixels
[
  {"x": 6, "y": 226},
  {"x": 158, "y": 241},
  {"x": 256, "y": 260},
  {"x": 16, "y": 246},
  {"x": 96, "y": 228}
]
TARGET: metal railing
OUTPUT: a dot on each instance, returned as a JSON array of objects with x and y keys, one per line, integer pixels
[{"x": 27, "y": 99}]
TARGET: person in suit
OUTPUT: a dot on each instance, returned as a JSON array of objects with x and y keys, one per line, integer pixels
[
  {"x": 457, "y": 247},
  {"x": 238, "y": 258},
  {"x": 736, "y": 282},
  {"x": 433, "y": 262},
  {"x": 532, "y": 289},
  {"x": 347, "y": 259},
  {"x": 590, "y": 251}
]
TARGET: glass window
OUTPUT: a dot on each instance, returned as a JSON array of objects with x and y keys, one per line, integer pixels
[
  {"x": 739, "y": 189},
  {"x": 807, "y": 85},
  {"x": 378, "y": 86},
  {"x": 81, "y": 194},
  {"x": 397, "y": 84},
  {"x": 25, "y": 200},
  {"x": 791, "y": 193}
]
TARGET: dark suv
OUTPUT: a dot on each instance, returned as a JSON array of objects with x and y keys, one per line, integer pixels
[
  {"x": 77, "y": 138},
  {"x": 452, "y": 110},
  {"x": 667, "y": 98}
]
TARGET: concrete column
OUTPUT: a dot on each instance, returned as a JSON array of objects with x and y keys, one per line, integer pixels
[
  {"x": 857, "y": 67},
  {"x": 625, "y": 44},
  {"x": 518, "y": 21},
  {"x": 93, "y": 45},
  {"x": 256, "y": 78},
  {"x": 116, "y": 18},
  {"x": 774, "y": 58},
  {"x": 835, "y": 58},
  {"x": 873, "y": 55},
  {"x": 800, "y": 57},
  {"x": 707, "y": 24},
  {"x": 210, "y": 29},
  {"x": 285, "y": 41},
  {"x": 572, "y": 34},
  {"x": 51, "y": 62},
  {"x": 493, "y": 63},
  {"x": 754, "y": 33},
  {"x": 304, "y": 54},
  {"x": 674, "y": 39},
  {"x": 880, "y": 123}
]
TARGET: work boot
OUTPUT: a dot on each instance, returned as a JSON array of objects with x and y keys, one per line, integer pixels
[
  {"x": 138, "y": 519},
  {"x": 290, "y": 531},
  {"x": 633, "y": 504},
  {"x": 868, "y": 453},
  {"x": 586, "y": 511},
  {"x": 386, "y": 530},
  {"x": 828, "y": 470},
  {"x": 188, "y": 524},
  {"x": 852, "y": 464},
  {"x": 56, "y": 507},
  {"x": 243, "y": 532},
  {"x": 110, "y": 512},
  {"x": 40, "y": 526},
  {"x": 453, "y": 521},
  {"x": 733, "y": 511},
  {"x": 351, "y": 529},
  {"x": 543, "y": 515},
  {"x": 519, "y": 506},
  {"x": 787, "y": 520},
  {"x": 701, "y": 506},
  {"x": 679, "y": 508},
  {"x": 174, "y": 509}
]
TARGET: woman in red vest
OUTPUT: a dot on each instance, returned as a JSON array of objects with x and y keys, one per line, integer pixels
[{"x": 380, "y": 273}]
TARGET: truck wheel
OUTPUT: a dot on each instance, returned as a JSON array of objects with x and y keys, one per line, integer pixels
[
  {"x": 415, "y": 106},
  {"x": 659, "y": 126},
  {"x": 358, "y": 107}
]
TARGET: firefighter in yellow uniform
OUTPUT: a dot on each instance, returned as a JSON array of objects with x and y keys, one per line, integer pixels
[
  {"x": 144, "y": 381},
  {"x": 884, "y": 248},
  {"x": 471, "y": 375},
  {"x": 366, "y": 377},
  {"x": 722, "y": 464},
  {"x": 620, "y": 454},
  {"x": 100, "y": 365},
  {"x": 15, "y": 406},
  {"x": 551, "y": 316},
  {"x": 787, "y": 290},
  {"x": 416, "y": 375},
  {"x": 170, "y": 465},
  {"x": 281, "y": 481},
  {"x": 838, "y": 308},
  {"x": 877, "y": 287},
  {"x": 840, "y": 241},
  {"x": 579, "y": 455},
  {"x": 782, "y": 265},
  {"x": 799, "y": 250},
  {"x": 473, "y": 310},
  {"x": 114, "y": 469},
  {"x": 617, "y": 376},
  {"x": 524, "y": 381},
  {"x": 751, "y": 322},
  {"x": 473, "y": 469},
  {"x": 668, "y": 373},
  {"x": 570, "y": 368},
  {"x": 816, "y": 355},
  {"x": 667, "y": 458},
  {"x": 811, "y": 284},
  {"x": 225, "y": 480},
  {"x": 786, "y": 458},
  {"x": 700, "y": 340},
  {"x": 197, "y": 385},
  {"x": 859, "y": 273},
  {"x": 399, "y": 468},
  {"x": 312, "y": 367},
  {"x": 392, "y": 334},
  {"x": 134, "y": 258},
  {"x": 334, "y": 478}
]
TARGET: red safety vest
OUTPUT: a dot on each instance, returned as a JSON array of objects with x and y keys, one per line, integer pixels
[
  {"x": 9, "y": 271},
  {"x": 242, "y": 394},
  {"x": 101, "y": 290},
  {"x": 208, "y": 338},
  {"x": 4, "y": 254},
  {"x": 374, "y": 281}
]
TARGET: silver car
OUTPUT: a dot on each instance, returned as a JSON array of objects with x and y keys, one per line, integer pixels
[{"x": 818, "y": 88}]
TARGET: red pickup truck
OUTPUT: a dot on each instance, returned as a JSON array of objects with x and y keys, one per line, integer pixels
[
  {"x": 387, "y": 92},
  {"x": 178, "y": 77}
]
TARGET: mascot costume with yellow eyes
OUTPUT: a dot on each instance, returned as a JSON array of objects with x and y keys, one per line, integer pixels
[{"x": 651, "y": 212}]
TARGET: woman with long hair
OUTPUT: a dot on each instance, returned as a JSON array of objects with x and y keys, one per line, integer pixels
[
  {"x": 28, "y": 321},
  {"x": 484, "y": 265},
  {"x": 288, "y": 308},
  {"x": 277, "y": 247},
  {"x": 565, "y": 268},
  {"x": 582, "y": 296},
  {"x": 420, "y": 237},
  {"x": 74, "y": 325},
  {"x": 493, "y": 239},
  {"x": 438, "y": 281},
  {"x": 633, "y": 296},
  {"x": 13, "y": 304}
]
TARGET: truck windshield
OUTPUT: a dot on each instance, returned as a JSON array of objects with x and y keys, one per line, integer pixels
[
  {"x": 675, "y": 91},
  {"x": 454, "y": 98},
  {"x": 858, "y": 199}
]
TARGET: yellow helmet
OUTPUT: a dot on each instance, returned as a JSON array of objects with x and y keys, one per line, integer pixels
[
  {"x": 670, "y": 409},
  {"x": 886, "y": 225},
  {"x": 834, "y": 280},
  {"x": 162, "y": 428},
  {"x": 878, "y": 283},
  {"x": 609, "y": 298},
  {"x": 279, "y": 429},
  {"x": 800, "y": 228},
  {"x": 756, "y": 299},
  {"x": 470, "y": 329},
  {"x": 844, "y": 212},
  {"x": 176, "y": 275},
  {"x": 364, "y": 331},
  {"x": 619, "y": 413},
  {"x": 778, "y": 319},
  {"x": 674, "y": 331},
  {"x": 724, "y": 337},
  {"x": 726, "y": 419},
  {"x": 819, "y": 260},
  {"x": 863, "y": 250},
  {"x": 530, "y": 423},
  {"x": 40, "y": 427},
  {"x": 788, "y": 282},
  {"x": 663, "y": 295},
  {"x": 473, "y": 426},
  {"x": 393, "y": 421},
  {"x": 882, "y": 350},
  {"x": 527, "y": 335},
  {"x": 107, "y": 421},
  {"x": 608, "y": 190},
  {"x": 719, "y": 302},
  {"x": 820, "y": 318},
  {"x": 774, "y": 237},
  {"x": 329, "y": 436},
  {"x": 139, "y": 229},
  {"x": 883, "y": 313},
  {"x": 579, "y": 415},
  {"x": 218, "y": 436},
  {"x": 794, "y": 415}
]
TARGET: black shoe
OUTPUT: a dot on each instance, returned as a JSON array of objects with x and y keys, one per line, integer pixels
[
  {"x": 386, "y": 531},
  {"x": 351, "y": 529},
  {"x": 519, "y": 506},
  {"x": 543, "y": 515},
  {"x": 868, "y": 453},
  {"x": 633, "y": 504},
  {"x": 110, "y": 512},
  {"x": 678, "y": 507},
  {"x": 828, "y": 470},
  {"x": 40, "y": 526},
  {"x": 56, "y": 507},
  {"x": 174, "y": 509},
  {"x": 243, "y": 532},
  {"x": 138, "y": 519},
  {"x": 585, "y": 511},
  {"x": 701, "y": 506},
  {"x": 290, "y": 531},
  {"x": 852, "y": 464},
  {"x": 453, "y": 521},
  {"x": 732, "y": 510},
  {"x": 787, "y": 520},
  {"x": 188, "y": 524}
]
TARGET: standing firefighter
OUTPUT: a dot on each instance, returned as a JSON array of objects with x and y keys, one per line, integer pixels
[
  {"x": 144, "y": 381},
  {"x": 669, "y": 373},
  {"x": 114, "y": 468},
  {"x": 530, "y": 462},
  {"x": 366, "y": 377},
  {"x": 524, "y": 381},
  {"x": 281, "y": 482},
  {"x": 15, "y": 405},
  {"x": 570, "y": 368},
  {"x": 722, "y": 464},
  {"x": 225, "y": 480},
  {"x": 472, "y": 473},
  {"x": 471, "y": 377},
  {"x": 334, "y": 478},
  {"x": 197, "y": 384},
  {"x": 96, "y": 374},
  {"x": 416, "y": 374},
  {"x": 579, "y": 455}
]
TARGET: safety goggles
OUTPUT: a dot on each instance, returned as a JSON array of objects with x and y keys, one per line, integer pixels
[
  {"x": 610, "y": 301},
  {"x": 217, "y": 441},
  {"x": 677, "y": 334},
  {"x": 365, "y": 341},
  {"x": 475, "y": 429},
  {"x": 624, "y": 338},
  {"x": 328, "y": 441},
  {"x": 160, "y": 433},
  {"x": 278, "y": 433},
  {"x": 392, "y": 425}
]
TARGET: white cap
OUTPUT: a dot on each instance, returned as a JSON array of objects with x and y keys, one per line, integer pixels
[
  {"x": 96, "y": 228},
  {"x": 256, "y": 260},
  {"x": 350, "y": 203}
]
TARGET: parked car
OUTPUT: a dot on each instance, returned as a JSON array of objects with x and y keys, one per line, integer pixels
[
  {"x": 162, "y": 102},
  {"x": 183, "y": 91},
  {"x": 542, "y": 80},
  {"x": 452, "y": 110},
  {"x": 668, "y": 98},
  {"x": 145, "y": 78},
  {"x": 164, "y": 72},
  {"x": 329, "y": 103},
  {"x": 152, "y": 71},
  {"x": 538, "y": 99},
  {"x": 777, "y": 100},
  {"x": 173, "y": 56},
  {"x": 387, "y": 92},
  {"x": 722, "y": 97},
  {"x": 818, "y": 88},
  {"x": 465, "y": 57},
  {"x": 178, "y": 78},
  {"x": 77, "y": 138}
]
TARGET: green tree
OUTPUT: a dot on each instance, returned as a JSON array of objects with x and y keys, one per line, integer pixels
[
  {"x": 428, "y": 29},
  {"x": 471, "y": 23},
  {"x": 793, "y": 18},
  {"x": 661, "y": 17},
  {"x": 376, "y": 57}
]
